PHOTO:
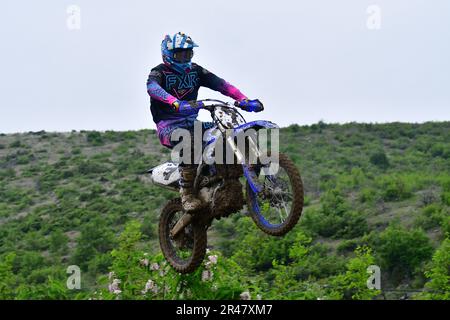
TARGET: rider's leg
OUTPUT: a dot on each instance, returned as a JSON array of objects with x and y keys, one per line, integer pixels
[
  {"x": 189, "y": 201},
  {"x": 188, "y": 172}
]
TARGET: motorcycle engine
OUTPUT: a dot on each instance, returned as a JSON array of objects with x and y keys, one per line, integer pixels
[
  {"x": 227, "y": 198},
  {"x": 225, "y": 194}
]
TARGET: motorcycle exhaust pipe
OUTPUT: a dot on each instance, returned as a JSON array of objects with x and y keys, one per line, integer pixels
[{"x": 181, "y": 224}]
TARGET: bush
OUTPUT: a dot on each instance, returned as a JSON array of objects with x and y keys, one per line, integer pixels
[
  {"x": 58, "y": 242},
  {"x": 367, "y": 195},
  {"x": 149, "y": 227},
  {"x": 353, "y": 283},
  {"x": 353, "y": 225},
  {"x": 96, "y": 238},
  {"x": 431, "y": 216},
  {"x": 445, "y": 198},
  {"x": 446, "y": 184},
  {"x": 16, "y": 144},
  {"x": 438, "y": 273},
  {"x": 255, "y": 251},
  {"x": 94, "y": 138},
  {"x": 94, "y": 192},
  {"x": 346, "y": 246},
  {"x": 294, "y": 128},
  {"x": 138, "y": 275},
  {"x": 334, "y": 218},
  {"x": 402, "y": 251},
  {"x": 428, "y": 197},
  {"x": 9, "y": 279},
  {"x": 440, "y": 150},
  {"x": 26, "y": 262},
  {"x": 129, "y": 135},
  {"x": 380, "y": 160},
  {"x": 76, "y": 151},
  {"x": 395, "y": 189},
  {"x": 7, "y": 173},
  {"x": 445, "y": 226},
  {"x": 91, "y": 167},
  {"x": 287, "y": 282},
  {"x": 319, "y": 263}
]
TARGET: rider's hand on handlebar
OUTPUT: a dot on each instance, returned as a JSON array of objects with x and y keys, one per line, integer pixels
[
  {"x": 187, "y": 107},
  {"x": 250, "y": 105}
]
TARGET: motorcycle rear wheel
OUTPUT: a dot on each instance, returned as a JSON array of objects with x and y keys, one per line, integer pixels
[{"x": 187, "y": 251}]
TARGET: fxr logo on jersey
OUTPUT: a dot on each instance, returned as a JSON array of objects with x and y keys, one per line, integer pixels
[{"x": 181, "y": 85}]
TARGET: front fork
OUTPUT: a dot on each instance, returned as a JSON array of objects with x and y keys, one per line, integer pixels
[{"x": 249, "y": 172}]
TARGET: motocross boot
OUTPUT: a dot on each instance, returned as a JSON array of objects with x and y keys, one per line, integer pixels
[{"x": 189, "y": 201}]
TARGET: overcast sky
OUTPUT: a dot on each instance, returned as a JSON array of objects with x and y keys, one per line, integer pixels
[{"x": 306, "y": 60}]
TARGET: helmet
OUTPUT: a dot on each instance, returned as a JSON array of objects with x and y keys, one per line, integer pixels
[{"x": 177, "y": 52}]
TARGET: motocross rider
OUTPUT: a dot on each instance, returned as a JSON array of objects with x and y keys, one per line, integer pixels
[{"x": 171, "y": 85}]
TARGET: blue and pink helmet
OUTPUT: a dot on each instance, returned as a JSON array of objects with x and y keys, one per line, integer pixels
[{"x": 177, "y": 52}]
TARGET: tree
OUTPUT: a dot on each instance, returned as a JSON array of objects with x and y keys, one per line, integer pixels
[
  {"x": 438, "y": 274},
  {"x": 380, "y": 159},
  {"x": 401, "y": 250},
  {"x": 353, "y": 283}
]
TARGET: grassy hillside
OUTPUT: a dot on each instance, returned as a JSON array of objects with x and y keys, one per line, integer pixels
[{"x": 375, "y": 194}]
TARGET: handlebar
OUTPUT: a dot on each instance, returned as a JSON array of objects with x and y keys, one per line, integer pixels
[{"x": 200, "y": 104}]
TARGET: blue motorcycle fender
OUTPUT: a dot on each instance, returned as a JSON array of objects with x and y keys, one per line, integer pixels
[{"x": 258, "y": 124}]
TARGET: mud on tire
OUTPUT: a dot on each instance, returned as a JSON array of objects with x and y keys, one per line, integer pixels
[{"x": 197, "y": 236}]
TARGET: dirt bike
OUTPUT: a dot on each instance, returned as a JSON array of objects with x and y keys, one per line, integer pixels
[{"x": 274, "y": 201}]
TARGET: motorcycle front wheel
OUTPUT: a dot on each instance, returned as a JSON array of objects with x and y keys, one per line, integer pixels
[
  {"x": 278, "y": 207},
  {"x": 187, "y": 250}
]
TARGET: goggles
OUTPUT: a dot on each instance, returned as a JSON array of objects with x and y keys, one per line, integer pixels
[{"x": 183, "y": 56}]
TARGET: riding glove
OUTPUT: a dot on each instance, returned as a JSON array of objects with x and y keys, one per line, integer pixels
[{"x": 250, "y": 105}]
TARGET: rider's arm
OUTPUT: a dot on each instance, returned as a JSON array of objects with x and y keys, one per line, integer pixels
[
  {"x": 155, "y": 90},
  {"x": 210, "y": 80}
]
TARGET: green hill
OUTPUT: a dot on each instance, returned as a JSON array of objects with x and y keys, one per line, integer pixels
[{"x": 375, "y": 194}]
